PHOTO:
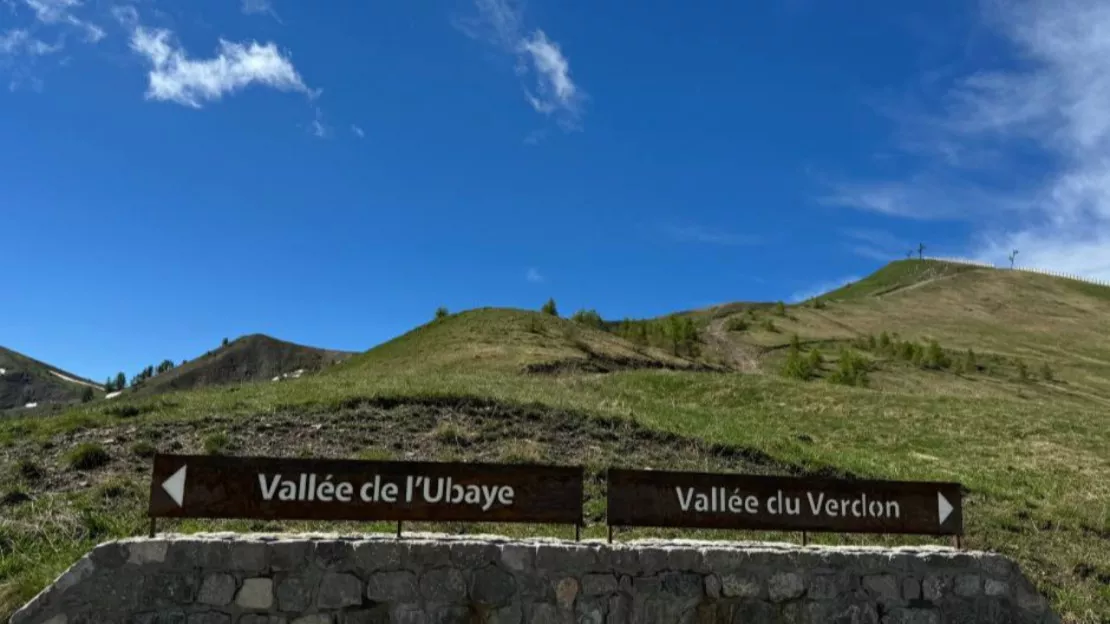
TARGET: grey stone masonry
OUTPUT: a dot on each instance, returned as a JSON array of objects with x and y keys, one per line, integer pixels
[{"x": 230, "y": 578}]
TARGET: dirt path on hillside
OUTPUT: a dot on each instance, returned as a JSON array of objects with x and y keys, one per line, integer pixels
[{"x": 739, "y": 356}]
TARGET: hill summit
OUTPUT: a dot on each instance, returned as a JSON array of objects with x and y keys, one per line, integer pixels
[{"x": 25, "y": 381}]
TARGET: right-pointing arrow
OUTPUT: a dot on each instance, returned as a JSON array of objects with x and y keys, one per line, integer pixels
[
  {"x": 175, "y": 486},
  {"x": 944, "y": 508}
]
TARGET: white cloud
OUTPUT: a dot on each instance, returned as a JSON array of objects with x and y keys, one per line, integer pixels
[
  {"x": 252, "y": 7},
  {"x": 1042, "y": 129},
  {"x": 706, "y": 235},
  {"x": 534, "y": 276},
  {"x": 357, "y": 131},
  {"x": 174, "y": 77},
  {"x": 821, "y": 288},
  {"x": 317, "y": 127},
  {"x": 554, "y": 93},
  {"x": 18, "y": 41},
  {"x": 126, "y": 15},
  {"x": 61, "y": 12}
]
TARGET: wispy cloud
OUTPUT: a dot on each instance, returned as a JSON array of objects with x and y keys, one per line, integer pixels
[
  {"x": 259, "y": 7},
  {"x": 317, "y": 127},
  {"x": 18, "y": 42},
  {"x": 706, "y": 235},
  {"x": 821, "y": 288},
  {"x": 357, "y": 131},
  {"x": 1044, "y": 124},
  {"x": 62, "y": 12},
  {"x": 534, "y": 276},
  {"x": 553, "y": 92},
  {"x": 174, "y": 77}
]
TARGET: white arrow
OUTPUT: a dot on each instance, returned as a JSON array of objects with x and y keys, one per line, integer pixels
[
  {"x": 175, "y": 486},
  {"x": 944, "y": 508}
]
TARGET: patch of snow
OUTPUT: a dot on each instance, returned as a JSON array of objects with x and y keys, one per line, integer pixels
[
  {"x": 3, "y": 370},
  {"x": 278, "y": 378},
  {"x": 112, "y": 395},
  {"x": 71, "y": 379},
  {"x": 30, "y": 405},
  {"x": 294, "y": 375}
]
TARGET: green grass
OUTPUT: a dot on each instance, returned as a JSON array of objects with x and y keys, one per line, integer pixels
[
  {"x": 88, "y": 456},
  {"x": 1034, "y": 456}
]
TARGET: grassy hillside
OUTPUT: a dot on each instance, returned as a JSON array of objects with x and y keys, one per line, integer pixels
[
  {"x": 510, "y": 385},
  {"x": 25, "y": 380},
  {"x": 256, "y": 357}
]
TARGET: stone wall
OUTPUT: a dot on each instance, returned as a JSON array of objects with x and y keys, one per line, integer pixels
[{"x": 225, "y": 579}]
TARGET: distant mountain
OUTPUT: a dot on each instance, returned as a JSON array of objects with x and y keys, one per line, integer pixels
[
  {"x": 256, "y": 357},
  {"x": 27, "y": 382}
]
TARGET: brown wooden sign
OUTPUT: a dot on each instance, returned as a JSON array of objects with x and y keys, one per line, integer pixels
[
  {"x": 732, "y": 501},
  {"x": 208, "y": 486}
]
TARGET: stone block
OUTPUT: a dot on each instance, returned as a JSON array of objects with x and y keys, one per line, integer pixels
[
  {"x": 408, "y": 614},
  {"x": 599, "y": 584},
  {"x": 443, "y": 585},
  {"x": 566, "y": 590},
  {"x": 110, "y": 556},
  {"x": 741, "y": 586},
  {"x": 491, "y": 585},
  {"x": 509, "y": 614},
  {"x": 828, "y": 586},
  {"x": 748, "y": 611},
  {"x": 315, "y": 618},
  {"x": 684, "y": 585},
  {"x": 334, "y": 555},
  {"x": 884, "y": 587},
  {"x": 544, "y": 613},
  {"x": 217, "y": 590},
  {"x": 911, "y": 616},
  {"x": 713, "y": 586},
  {"x": 424, "y": 555},
  {"x": 911, "y": 588},
  {"x": 374, "y": 555},
  {"x": 567, "y": 558},
  {"x": 261, "y": 618},
  {"x": 213, "y": 555},
  {"x": 620, "y": 608},
  {"x": 165, "y": 590},
  {"x": 968, "y": 585},
  {"x": 518, "y": 557},
  {"x": 147, "y": 552},
  {"x": 289, "y": 555},
  {"x": 447, "y": 614},
  {"x": 256, "y": 593},
  {"x": 378, "y": 615},
  {"x": 785, "y": 586},
  {"x": 338, "y": 590},
  {"x": 839, "y": 613},
  {"x": 471, "y": 555},
  {"x": 996, "y": 588},
  {"x": 398, "y": 587},
  {"x": 591, "y": 610},
  {"x": 295, "y": 593},
  {"x": 252, "y": 557},
  {"x": 936, "y": 587},
  {"x": 209, "y": 617}
]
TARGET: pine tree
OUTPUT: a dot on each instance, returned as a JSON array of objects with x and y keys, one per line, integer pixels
[
  {"x": 225, "y": 342},
  {"x": 934, "y": 357},
  {"x": 780, "y": 309},
  {"x": 121, "y": 381},
  {"x": 884, "y": 341},
  {"x": 86, "y": 394},
  {"x": 1046, "y": 372},
  {"x": 549, "y": 308},
  {"x": 441, "y": 312},
  {"x": 110, "y": 385},
  {"x": 1023, "y": 371},
  {"x": 969, "y": 362}
]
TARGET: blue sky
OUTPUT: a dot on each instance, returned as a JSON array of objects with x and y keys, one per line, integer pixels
[{"x": 174, "y": 173}]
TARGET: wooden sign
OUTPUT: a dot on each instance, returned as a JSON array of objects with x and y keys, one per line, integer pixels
[
  {"x": 210, "y": 486},
  {"x": 732, "y": 501}
]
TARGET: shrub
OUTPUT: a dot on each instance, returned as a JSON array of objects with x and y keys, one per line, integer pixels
[
  {"x": 796, "y": 366},
  {"x": 851, "y": 370},
  {"x": 815, "y": 359},
  {"x": 769, "y": 325},
  {"x": 884, "y": 341},
  {"x": 736, "y": 323},
  {"x": 441, "y": 312},
  {"x": 795, "y": 343},
  {"x": 550, "y": 308},
  {"x": 589, "y": 318},
  {"x": 872, "y": 344},
  {"x": 143, "y": 449},
  {"x": 87, "y": 394},
  {"x": 216, "y": 443},
  {"x": 1023, "y": 370},
  {"x": 780, "y": 309},
  {"x": 909, "y": 351},
  {"x": 1046, "y": 372},
  {"x": 225, "y": 342},
  {"x": 88, "y": 456},
  {"x": 969, "y": 364},
  {"x": 520, "y": 451},
  {"x": 818, "y": 303},
  {"x": 934, "y": 357}
]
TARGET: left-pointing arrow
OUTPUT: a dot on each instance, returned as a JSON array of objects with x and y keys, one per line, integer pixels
[{"x": 175, "y": 486}]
